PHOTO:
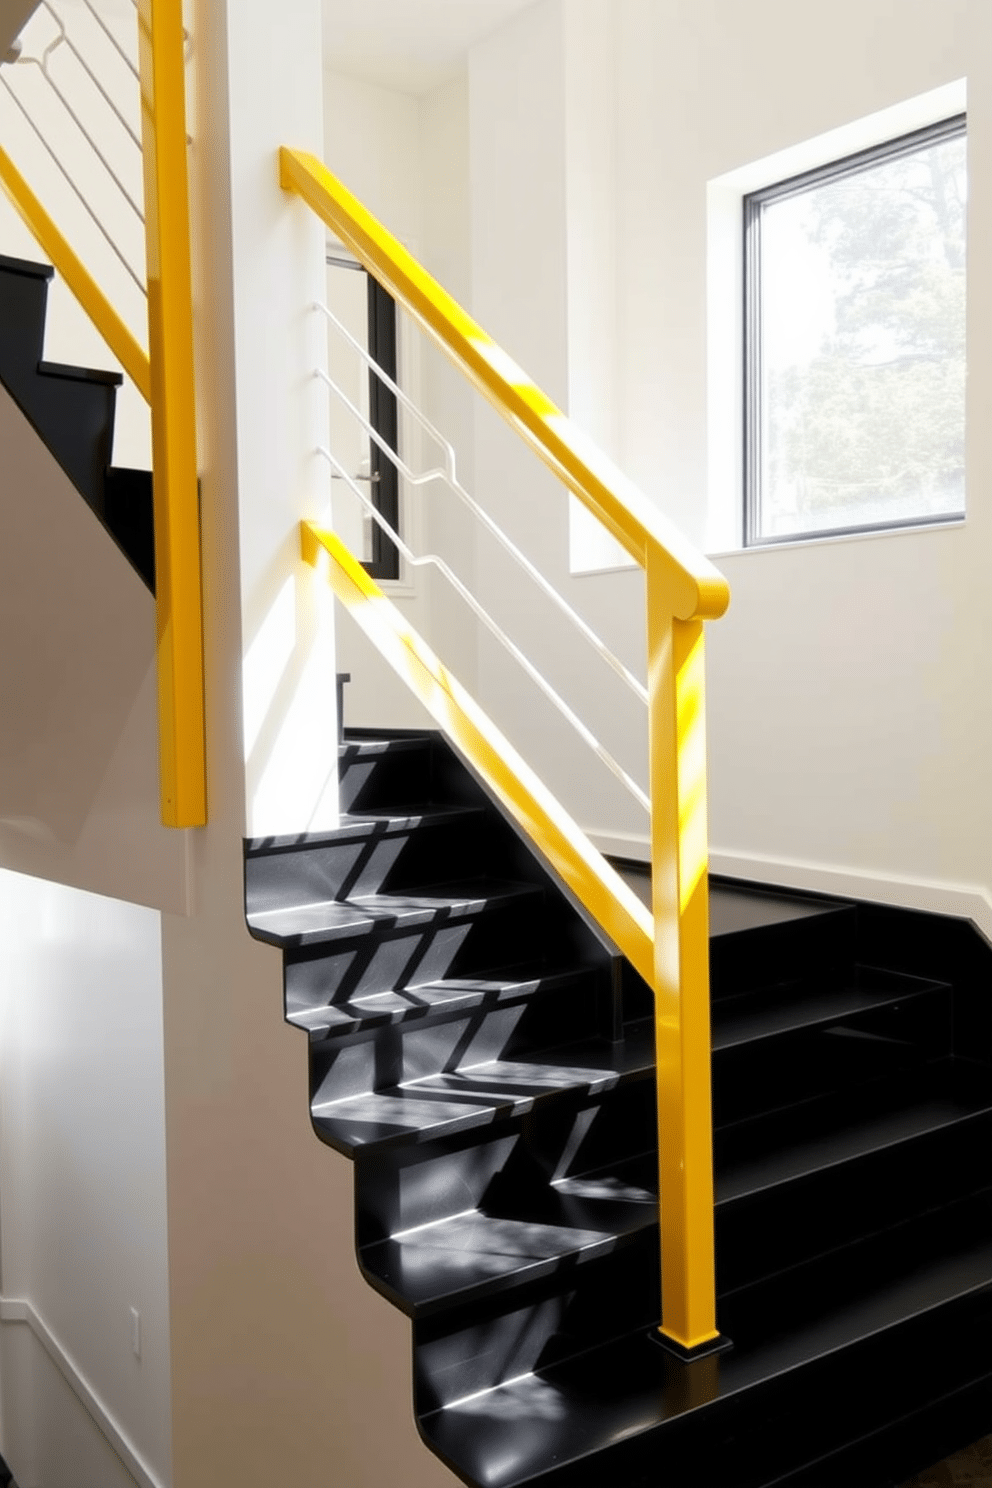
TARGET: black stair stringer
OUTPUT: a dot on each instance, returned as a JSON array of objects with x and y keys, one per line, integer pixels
[
  {"x": 72, "y": 410},
  {"x": 485, "y": 1058}
]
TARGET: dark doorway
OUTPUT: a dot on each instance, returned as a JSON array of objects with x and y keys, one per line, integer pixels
[
  {"x": 383, "y": 416},
  {"x": 367, "y": 314}
]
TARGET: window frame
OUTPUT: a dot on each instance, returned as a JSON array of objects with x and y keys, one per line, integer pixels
[{"x": 752, "y": 204}]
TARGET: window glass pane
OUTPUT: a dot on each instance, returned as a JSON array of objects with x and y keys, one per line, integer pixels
[{"x": 862, "y": 346}]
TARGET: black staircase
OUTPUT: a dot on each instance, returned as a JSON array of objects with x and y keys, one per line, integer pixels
[
  {"x": 485, "y": 1058},
  {"x": 72, "y": 409}
]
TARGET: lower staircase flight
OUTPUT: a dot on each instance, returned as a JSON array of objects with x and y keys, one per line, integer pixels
[{"x": 486, "y": 1059}]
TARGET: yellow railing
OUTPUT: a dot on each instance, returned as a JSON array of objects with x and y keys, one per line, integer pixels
[
  {"x": 165, "y": 379},
  {"x": 669, "y": 946}
]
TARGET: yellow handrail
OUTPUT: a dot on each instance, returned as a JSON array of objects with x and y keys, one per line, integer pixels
[
  {"x": 697, "y": 588},
  {"x": 80, "y": 282},
  {"x": 599, "y": 887},
  {"x": 671, "y": 947},
  {"x": 179, "y": 605}
]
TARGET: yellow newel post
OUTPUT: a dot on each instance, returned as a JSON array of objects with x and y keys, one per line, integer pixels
[
  {"x": 679, "y": 857},
  {"x": 182, "y": 759}
]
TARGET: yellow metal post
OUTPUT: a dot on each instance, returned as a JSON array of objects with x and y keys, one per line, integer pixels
[
  {"x": 170, "y": 340},
  {"x": 682, "y": 1010}
]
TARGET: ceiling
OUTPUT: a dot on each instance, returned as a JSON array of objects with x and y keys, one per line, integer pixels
[{"x": 410, "y": 45}]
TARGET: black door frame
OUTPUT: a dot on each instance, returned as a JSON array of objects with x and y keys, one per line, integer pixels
[{"x": 384, "y": 418}]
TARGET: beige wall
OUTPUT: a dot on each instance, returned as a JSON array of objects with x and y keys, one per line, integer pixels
[{"x": 78, "y": 734}]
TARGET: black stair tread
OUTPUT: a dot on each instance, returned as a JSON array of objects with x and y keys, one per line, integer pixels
[
  {"x": 80, "y": 374},
  {"x": 843, "y": 1128},
  {"x": 741, "y": 1020},
  {"x": 464, "y": 1257},
  {"x": 370, "y": 741},
  {"x": 457, "y": 1100},
  {"x": 354, "y": 827},
  {"x": 333, "y": 919},
  {"x": 735, "y": 909},
  {"x": 450, "y": 995},
  {"x": 512, "y": 1433},
  {"x": 403, "y": 818},
  {"x": 26, "y": 267}
]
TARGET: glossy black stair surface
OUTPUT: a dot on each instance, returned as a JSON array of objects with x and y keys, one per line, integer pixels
[
  {"x": 485, "y": 1058},
  {"x": 72, "y": 410}
]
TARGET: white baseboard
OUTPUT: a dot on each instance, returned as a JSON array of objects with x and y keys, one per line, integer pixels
[
  {"x": 16, "y": 1310},
  {"x": 964, "y": 901}
]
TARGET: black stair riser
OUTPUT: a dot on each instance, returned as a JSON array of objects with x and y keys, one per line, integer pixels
[
  {"x": 783, "y": 1226},
  {"x": 379, "y": 778},
  {"x": 406, "y": 958},
  {"x": 502, "y": 939},
  {"x": 900, "y": 1448},
  {"x": 537, "y": 1327},
  {"x": 129, "y": 516},
  {"x": 938, "y": 946},
  {"x": 386, "y": 859},
  {"x": 23, "y": 308},
  {"x": 76, "y": 422},
  {"x": 406, "y": 1187},
  {"x": 411, "y": 1051},
  {"x": 847, "y": 1278},
  {"x": 72, "y": 411},
  {"x": 787, "y": 1069},
  {"x": 751, "y": 959}
]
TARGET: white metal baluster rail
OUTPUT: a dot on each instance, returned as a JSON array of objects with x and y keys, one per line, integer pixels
[
  {"x": 124, "y": 122},
  {"x": 42, "y": 64},
  {"x": 449, "y": 477},
  {"x": 433, "y": 560},
  {"x": 128, "y": 61}
]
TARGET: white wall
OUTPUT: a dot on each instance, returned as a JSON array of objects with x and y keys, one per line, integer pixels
[
  {"x": 847, "y": 724},
  {"x": 82, "y": 1190},
  {"x": 849, "y": 719},
  {"x": 289, "y": 714},
  {"x": 540, "y": 182},
  {"x": 373, "y": 141}
]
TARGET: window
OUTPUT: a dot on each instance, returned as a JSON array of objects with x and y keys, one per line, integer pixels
[{"x": 854, "y": 342}]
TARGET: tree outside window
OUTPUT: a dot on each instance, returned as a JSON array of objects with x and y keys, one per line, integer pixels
[{"x": 855, "y": 342}]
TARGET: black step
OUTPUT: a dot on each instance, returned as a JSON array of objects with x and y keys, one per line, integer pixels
[
  {"x": 438, "y": 1001},
  {"x": 72, "y": 410},
  {"x": 472, "y": 1095},
  {"x": 129, "y": 516},
  {"x": 627, "y": 1412}
]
